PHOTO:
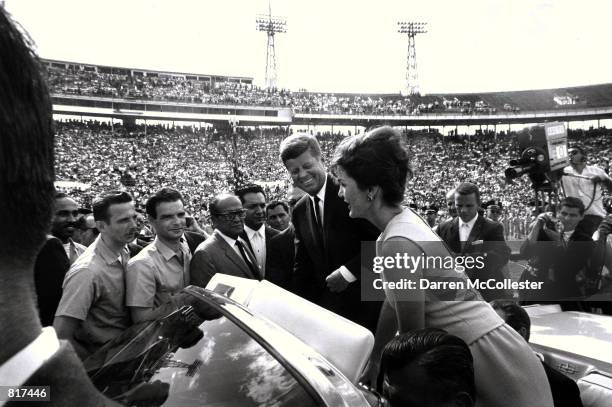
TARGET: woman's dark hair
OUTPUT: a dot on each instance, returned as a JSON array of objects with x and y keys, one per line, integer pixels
[
  {"x": 377, "y": 157},
  {"x": 26, "y": 147}
]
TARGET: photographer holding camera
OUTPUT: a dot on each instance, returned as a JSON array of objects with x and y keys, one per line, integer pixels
[{"x": 559, "y": 250}]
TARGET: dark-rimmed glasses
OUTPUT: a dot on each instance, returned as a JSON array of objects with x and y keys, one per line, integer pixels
[{"x": 231, "y": 215}]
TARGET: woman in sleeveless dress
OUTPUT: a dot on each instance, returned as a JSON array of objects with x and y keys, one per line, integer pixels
[{"x": 372, "y": 169}]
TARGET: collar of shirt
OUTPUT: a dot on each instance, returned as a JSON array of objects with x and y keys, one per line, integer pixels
[
  {"x": 321, "y": 193},
  {"x": 469, "y": 223},
  {"x": 251, "y": 232},
  {"x": 107, "y": 254},
  {"x": 229, "y": 240},
  {"x": 166, "y": 251},
  {"x": 18, "y": 369}
]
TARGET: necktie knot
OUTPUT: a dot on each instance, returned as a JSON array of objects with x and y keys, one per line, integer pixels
[{"x": 245, "y": 256}]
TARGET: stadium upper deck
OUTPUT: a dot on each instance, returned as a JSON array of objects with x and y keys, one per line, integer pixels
[{"x": 94, "y": 86}]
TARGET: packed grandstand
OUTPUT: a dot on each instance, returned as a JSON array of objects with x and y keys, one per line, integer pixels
[
  {"x": 69, "y": 78},
  {"x": 200, "y": 160}
]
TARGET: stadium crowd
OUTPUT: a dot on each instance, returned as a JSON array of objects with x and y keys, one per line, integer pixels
[
  {"x": 235, "y": 180},
  {"x": 182, "y": 89},
  {"x": 85, "y": 270},
  {"x": 201, "y": 162}
]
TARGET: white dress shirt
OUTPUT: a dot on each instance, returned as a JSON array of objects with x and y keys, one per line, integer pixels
[
  {"x": 258, "y": 243},
  {"x": 231, "y": 242},
  {"x": 465, "y": 228}
]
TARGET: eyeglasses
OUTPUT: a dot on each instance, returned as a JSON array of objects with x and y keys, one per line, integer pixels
[{"x": 227, "y": 216}]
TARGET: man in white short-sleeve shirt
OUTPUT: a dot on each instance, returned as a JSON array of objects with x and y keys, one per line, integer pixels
[
  {"x": 587, "y": 187},
  {"x": 92, "y": 309},
  {"x": 157, "y": 274}
]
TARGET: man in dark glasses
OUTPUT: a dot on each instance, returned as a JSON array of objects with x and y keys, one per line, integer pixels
[{"x": 225, "y": 251}]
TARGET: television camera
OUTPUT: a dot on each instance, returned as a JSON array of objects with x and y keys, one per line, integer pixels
[{"x": 543, "y": 157}]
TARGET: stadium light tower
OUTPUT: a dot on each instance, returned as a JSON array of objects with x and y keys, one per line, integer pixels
[
  {"x": 411, "y": 29},
  {"x": 271, "y": 25}
]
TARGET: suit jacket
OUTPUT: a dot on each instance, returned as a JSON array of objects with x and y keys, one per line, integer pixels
[
  {"x": 49, "y": 271},
  {"x": 561, "y": 262},
  {"x": 486, "y": 239},
  {"x": 215, "y": 255},
  {"x": 194, "y": 239},
  {"x": 315, "y": 260},
  {"x": 281, "y": 256},
  {"x": 68, "y": 382},
  {"x": 270, "y": 233}
]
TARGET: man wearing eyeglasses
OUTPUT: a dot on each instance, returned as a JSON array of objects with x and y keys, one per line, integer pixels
[{"x": 225, "y": 251}]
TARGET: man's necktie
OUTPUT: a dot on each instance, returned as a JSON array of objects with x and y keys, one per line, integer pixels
[
  {"x": 464, "y": 242},
  {"x": 243, "y": 252},
  {"x": 319, "y": 220}
]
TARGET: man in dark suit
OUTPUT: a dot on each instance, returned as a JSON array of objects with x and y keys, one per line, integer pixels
[
  {"x": 194, "y": 239},
  {"x": 29, "y": 354},
  {"x": 256, "y": 233},
  {"x": 56, "y": 256},
  {"x": 278, "y": 215},
  {"x": 564, "y": 390},
  {"x": 279, "y": 269},
  {"x": 328, "y": 242},
  {"x": 472, "y": 235},
  {"x": 559, "y": 249},
  {"x": 225, "y": 251}
]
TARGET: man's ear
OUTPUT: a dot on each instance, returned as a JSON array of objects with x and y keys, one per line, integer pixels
[
  {"x": 462, "y": 399},
  {"x": 100, "y": 225},
  {"x": 523, "y": 332},
  {"x": 373, "y": 190},
  {"x": 151, "y": 222}
]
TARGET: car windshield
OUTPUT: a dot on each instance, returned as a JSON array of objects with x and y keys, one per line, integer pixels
[{"x": 184, "y": 360}]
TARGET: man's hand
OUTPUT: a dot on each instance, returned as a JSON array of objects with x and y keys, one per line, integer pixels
[
  {"x": 605, "y": 227},
  {"x": 336, "y": 282},
  {"x": 544, "y": 220}
]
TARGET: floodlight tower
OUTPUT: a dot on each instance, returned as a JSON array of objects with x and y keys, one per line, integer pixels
[
  {"x": 411, "y": 29},
  {"x": 271, "y": 25}
]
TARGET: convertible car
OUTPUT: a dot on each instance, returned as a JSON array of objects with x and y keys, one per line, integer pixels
[
  {"x": 217, "y": 352},
  {"x": 578, "y": 344}
]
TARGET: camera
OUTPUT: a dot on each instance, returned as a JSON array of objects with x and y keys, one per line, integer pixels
[{"x": 543, "y": 155}]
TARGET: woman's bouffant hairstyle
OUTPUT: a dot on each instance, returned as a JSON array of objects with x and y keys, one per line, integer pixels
[{"x": 378, "y": 157}]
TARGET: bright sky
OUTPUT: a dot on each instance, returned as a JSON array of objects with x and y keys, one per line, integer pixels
[{"x": 338, "y": 45}]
